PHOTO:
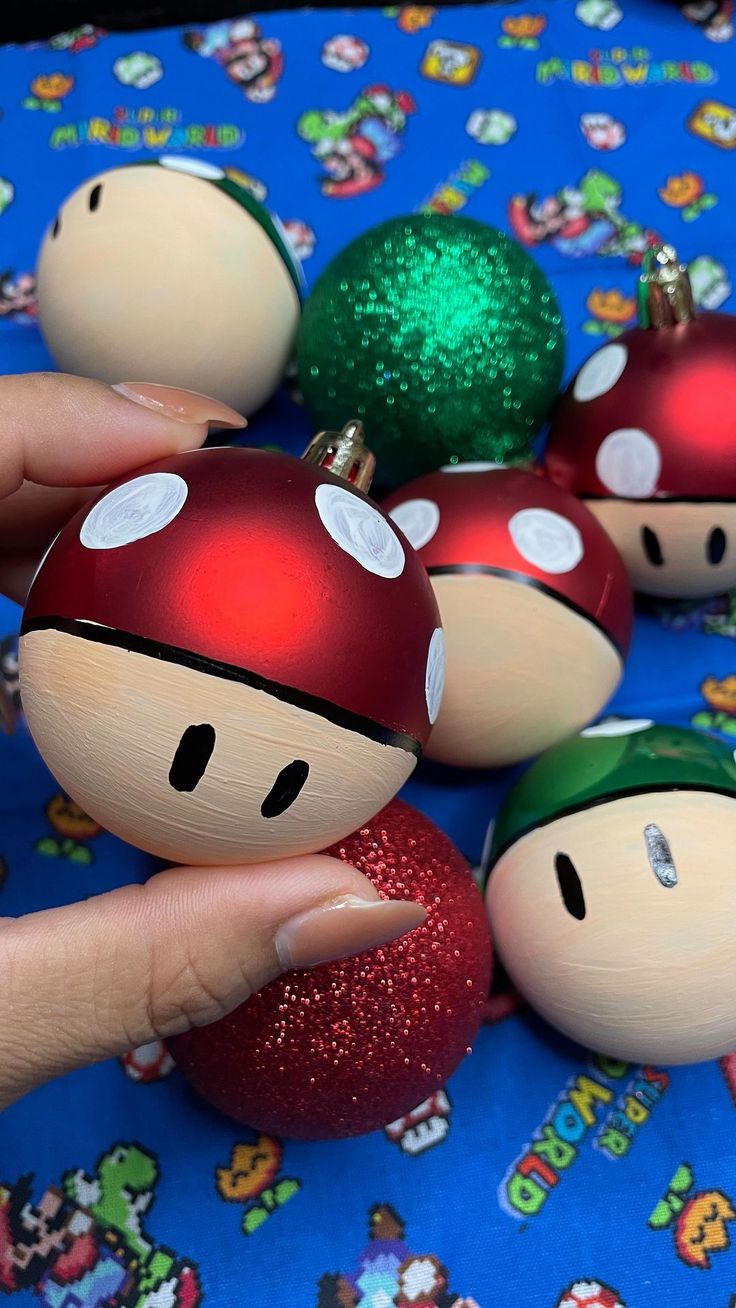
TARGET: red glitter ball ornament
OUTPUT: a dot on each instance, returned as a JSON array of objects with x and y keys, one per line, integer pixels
[{"x": 350, "y": 1046}]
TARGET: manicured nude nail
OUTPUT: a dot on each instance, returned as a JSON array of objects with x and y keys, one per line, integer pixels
[
  {"x": 344, "y": 926},
  {"x": 183, "y": 406}
]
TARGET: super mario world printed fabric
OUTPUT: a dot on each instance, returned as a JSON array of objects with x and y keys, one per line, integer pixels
[{"x": 542, "y": 1177}]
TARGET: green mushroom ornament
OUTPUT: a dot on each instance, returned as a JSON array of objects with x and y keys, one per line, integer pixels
[
  {"x": 611, "y": 891},
  {"x": 171, "y": 269}
]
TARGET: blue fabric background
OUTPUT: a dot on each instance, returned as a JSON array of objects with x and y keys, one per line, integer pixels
[{"x": 452, "y": 1197}]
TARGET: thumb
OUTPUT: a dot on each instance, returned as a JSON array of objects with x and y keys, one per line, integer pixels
[{"x": 95, "y": 979}]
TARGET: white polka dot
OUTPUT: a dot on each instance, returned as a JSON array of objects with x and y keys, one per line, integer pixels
[
  {"x": 628, "y": 462},
  {"x": 139, "y": 508},
  {"x": 473, "y": 467},
  {"x": 546, "y": 540},
  {"x": 418, "y": 519},
  {"x": 617, "y": 727},
  {"x": 360, "y": 530},
  {"x": 434, "y": 680},
  {"x": 600, "y": 372},
  {"x": 197, "y": 167}
]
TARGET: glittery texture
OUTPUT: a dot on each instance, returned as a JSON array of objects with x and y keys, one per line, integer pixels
[
  {"x": 442, "y": 335},
  {"x": 351, "y": 1046}
]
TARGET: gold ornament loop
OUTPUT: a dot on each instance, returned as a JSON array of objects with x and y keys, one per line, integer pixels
[
  {"x": 344, "y": 453},
  {"x": 665, "y": 295}
]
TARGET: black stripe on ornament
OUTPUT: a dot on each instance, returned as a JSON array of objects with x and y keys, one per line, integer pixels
[
  {"x": 323, "y": 708},
  {"x": 610, "y": 798},
  {"x": 484, "y": 569}
]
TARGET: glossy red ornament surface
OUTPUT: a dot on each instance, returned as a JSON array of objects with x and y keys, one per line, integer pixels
[
  {"x": 247, "y": 574},
  {"x": 350, "y": 1046},
  {"x": 678, "y": 389},
  {"x": 500, "y": 519}
]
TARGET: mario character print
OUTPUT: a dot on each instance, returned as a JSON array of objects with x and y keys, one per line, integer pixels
[
  {"x": 18, "y": 296},
  {"x": 581, "y": 220},
  {"x": 713, "y": 17},
  {"x": 77, "y": 39},
  {"x": 83, "y": 1242},
  {"x": 354, "y": 145},
  {"x": 253, "y": 62}
]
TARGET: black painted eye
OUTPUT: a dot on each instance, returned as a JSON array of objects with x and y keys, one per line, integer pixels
[
  {"x": 193, "y": 753},
  {"x": 286, "y": 789},
  {"x": 570, "y": 886},
  {"x": 652, "y": 547},
  {"x": 95, "y": 196},
  {"x": 56, "y": 227},
  {"x": 716, "y": 547}
]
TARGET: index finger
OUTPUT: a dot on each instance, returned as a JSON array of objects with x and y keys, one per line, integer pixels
[{"x": 58, "y": 430}]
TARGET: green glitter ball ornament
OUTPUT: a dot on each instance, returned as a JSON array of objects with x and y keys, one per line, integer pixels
[{"x": 442, "y": 335}]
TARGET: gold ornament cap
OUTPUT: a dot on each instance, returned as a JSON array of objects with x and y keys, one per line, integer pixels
[
  {"x": 345, "y": 453},
  {"x": 665, "y": 296}
]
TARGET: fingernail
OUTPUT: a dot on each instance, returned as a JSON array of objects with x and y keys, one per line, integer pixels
[
  {"x": 342, "y": 927},
  {"x": 183, "y": 406}
]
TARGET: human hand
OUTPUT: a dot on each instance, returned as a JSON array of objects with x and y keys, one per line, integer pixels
[{"x": 97, "y": 978}]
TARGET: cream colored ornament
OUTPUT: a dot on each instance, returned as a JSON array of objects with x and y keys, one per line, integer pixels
[
  {"x": 525, "y": 697},
  {"x": 535, "y": 603},
  {"x": 612, "y": 895},
  {"x": 170, "y": 272}
]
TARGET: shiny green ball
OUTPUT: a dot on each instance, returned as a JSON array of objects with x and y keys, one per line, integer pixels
[{"x": 442, "y": 335}]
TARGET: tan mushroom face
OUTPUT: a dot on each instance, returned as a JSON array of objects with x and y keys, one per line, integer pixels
[
  {"x": 523, "y": 670},
  {"x": 193, "y": 767},
  {"x": 151, "y": 273},
  {"x": 617, "y": 923},
  {"x": 673, "y": 549}
]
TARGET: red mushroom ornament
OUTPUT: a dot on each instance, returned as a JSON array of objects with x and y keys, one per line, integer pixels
[
  {"x": 233, "y": 655},
  {"x": 536, "y": 609},
  {"x": 353, "y": 1045},
  {"x": 646, "y": 434}
]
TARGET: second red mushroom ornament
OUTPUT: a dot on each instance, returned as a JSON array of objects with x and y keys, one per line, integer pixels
[
  {"x": 645, "y": 434},
  {"x": 535, "y": 603}
]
